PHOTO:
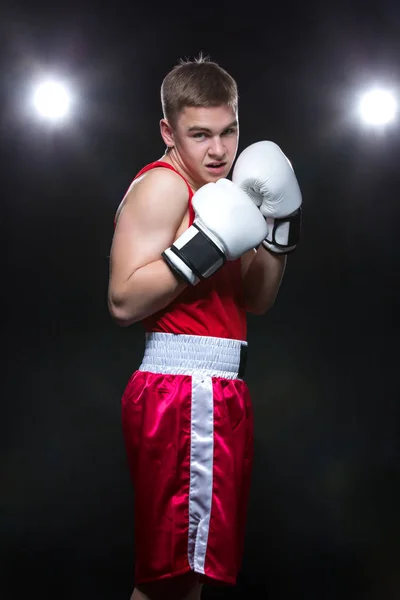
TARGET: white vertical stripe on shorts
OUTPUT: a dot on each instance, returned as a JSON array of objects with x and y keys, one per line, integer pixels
[{"x": 201, "y": 469}]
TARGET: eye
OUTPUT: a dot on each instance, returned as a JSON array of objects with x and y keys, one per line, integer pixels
[
  {"x": 229, "y": 131},
  {"x": 199, "y": 135}
]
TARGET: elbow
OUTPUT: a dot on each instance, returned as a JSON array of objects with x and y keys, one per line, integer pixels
[
  {"x": 261, "y": 308},
  {"x": 122, "y": 322},
  {"x": 119, "y": 313},
  {"x": 260, "y": 311}
]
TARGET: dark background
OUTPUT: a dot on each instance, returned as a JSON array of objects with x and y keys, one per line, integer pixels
[{"x": 324, "y": 516}]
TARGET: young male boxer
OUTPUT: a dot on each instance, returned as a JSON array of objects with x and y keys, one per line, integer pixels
[{"x": 192, "y": 254}]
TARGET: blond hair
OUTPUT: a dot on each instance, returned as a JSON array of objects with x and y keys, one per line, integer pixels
[{"x": 199, "y": 83}]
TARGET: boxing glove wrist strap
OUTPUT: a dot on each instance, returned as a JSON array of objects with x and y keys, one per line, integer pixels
[
  {"x": 284, "y": 233},
  {"x": 194, "y": 255}
]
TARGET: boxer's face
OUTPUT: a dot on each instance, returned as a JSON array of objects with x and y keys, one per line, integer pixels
[{"x": 205, "y": 142}]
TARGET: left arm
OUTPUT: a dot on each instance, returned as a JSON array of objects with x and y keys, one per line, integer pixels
[
  {"x": 267, "y": 176},
  {"x": 262, "y": 274}
]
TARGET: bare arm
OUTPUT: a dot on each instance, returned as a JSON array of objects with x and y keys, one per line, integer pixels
[
  {"x": 140, "y": 281},
  {"x": 262, "y": 274}
]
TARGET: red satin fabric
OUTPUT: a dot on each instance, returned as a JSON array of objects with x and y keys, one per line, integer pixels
[{"x": 157, "y": 427}]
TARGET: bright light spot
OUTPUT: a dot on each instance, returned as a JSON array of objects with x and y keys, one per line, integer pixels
[
  {"x": 378, "y": 107},
  {"x": 52, "y": 100}
]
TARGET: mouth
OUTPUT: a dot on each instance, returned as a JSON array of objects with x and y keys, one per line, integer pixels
[{"x": 216, "y": 167}]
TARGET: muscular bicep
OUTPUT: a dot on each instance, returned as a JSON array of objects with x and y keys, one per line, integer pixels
[{"x": 147, "y": 223}]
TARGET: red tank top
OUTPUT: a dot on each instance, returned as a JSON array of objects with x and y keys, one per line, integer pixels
[{"x": 214, "y": 307}]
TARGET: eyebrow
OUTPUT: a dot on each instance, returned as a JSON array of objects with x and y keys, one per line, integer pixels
[{"x": 200, "y": 128}]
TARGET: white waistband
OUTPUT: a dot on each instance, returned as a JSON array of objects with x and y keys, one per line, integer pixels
[{"x": 188, "y": 354}]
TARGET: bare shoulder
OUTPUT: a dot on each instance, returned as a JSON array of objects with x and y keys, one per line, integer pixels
[{"x": 158, "y": 189}]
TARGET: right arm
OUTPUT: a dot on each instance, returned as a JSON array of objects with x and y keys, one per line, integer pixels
[{"x": 141, "y": 283}]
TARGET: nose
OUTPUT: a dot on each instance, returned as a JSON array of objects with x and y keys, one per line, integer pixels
[{"x": 217, "y": 148}]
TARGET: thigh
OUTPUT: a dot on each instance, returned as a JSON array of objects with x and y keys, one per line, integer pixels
[
  {"x": 232, "y": 469},
  {"x": 183, "y": 587},
  {"x": 153, "y": 406},
  {"x": 156, "y": 411}
]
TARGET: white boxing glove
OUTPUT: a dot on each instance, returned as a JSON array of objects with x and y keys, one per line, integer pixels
[
  {"x": 267, "y": 176},
  {"x": 227, "y": 224}
]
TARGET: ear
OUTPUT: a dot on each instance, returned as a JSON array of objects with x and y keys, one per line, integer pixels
[{"x": 166, "y": 133}]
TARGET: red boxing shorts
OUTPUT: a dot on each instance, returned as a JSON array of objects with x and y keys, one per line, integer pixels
[{"x": 188, "y": 429}]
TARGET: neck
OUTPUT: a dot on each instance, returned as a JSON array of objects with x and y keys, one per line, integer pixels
[{"x": 172, "y": 158}]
